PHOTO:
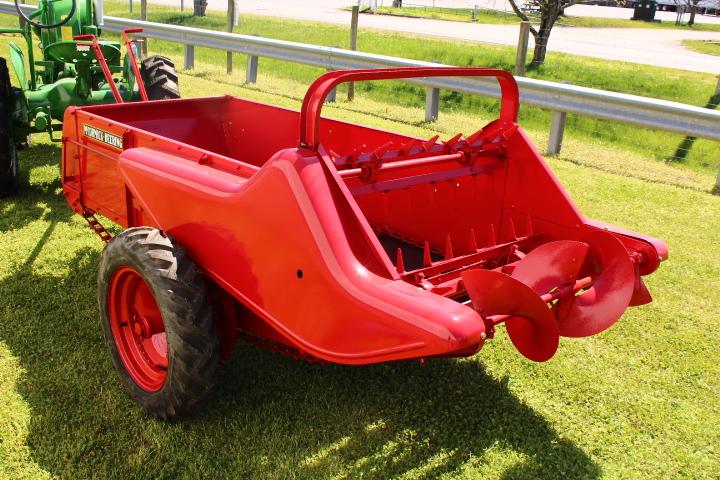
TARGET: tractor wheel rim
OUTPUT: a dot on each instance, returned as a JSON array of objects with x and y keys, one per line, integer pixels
[{"x": 138, "y": 329}]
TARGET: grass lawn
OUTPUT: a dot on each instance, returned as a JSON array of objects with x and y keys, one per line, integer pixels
[
  {"x": 484, "y": 15},
  {"x": 637, "y": 401},
  {"x": 497, "y": 17},
  {"x": 711, "y": 47}
]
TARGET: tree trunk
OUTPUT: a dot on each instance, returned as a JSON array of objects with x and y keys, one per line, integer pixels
[
  {"x": 691, "y": 22},
  {"x": 541, "y": 41},
  {"x": 397, "y": 3},
  {"x": 199, "y": 7}
]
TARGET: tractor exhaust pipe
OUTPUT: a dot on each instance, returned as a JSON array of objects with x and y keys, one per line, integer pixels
[{"x": 100, "y": 12}]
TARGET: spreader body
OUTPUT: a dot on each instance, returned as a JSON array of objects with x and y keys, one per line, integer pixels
[{"x": 356, "y": 245}]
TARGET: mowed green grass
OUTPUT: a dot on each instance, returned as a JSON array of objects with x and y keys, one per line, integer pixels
[
  {"x": 637, "y": 401},
  {"x": 711, "y": 47},
  {"x": 498, "y": 17}
]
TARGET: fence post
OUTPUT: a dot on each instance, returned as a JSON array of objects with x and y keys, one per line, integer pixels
[
  {"x": 230, "y": 25},
  {"x": 432, "y": 104},
  {"x": 353, "y": 46},
  {"x": 143, "y": 16},
  {"x": 189, "y": 57},
  {"x": 252, "y": 67},
  {"x": 522, "y": 49},
  {"x": 332, "y": 95},
  {"x": 557, "y": 129}
]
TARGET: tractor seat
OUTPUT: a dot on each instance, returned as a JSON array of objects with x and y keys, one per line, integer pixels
[{"x": 73, "y": 51}]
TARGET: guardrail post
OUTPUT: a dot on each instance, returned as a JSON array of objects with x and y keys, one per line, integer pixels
[
  {"x": 522, "y": 49},
  {"x": 332, "y": 95},
  {"x": 189, "y": 57},
  {"x": 432, "y": 104},
  {"x": 252, "y": 69},
  {"x": 143, "y": 16},
  {"x": 353, "y": 46},
  {"x": 230, "y": 25},
  {"x": 557, "y": 129}
]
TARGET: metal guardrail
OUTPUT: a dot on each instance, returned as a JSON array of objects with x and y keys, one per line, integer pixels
[{"x": 631, "y": 109}]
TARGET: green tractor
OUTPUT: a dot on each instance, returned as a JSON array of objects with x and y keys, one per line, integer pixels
[{"x": 76, "y": 69}]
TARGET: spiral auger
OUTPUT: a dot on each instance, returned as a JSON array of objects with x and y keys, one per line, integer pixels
[{"x": 562, "y": 288}]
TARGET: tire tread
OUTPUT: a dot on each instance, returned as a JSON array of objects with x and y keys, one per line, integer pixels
[{"x": 180, "y": 292}]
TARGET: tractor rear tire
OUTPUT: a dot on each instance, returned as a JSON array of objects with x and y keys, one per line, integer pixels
[
  {"x": 158, "y": 322},
  {"x": 9, "y": 171},
  {"x": 161, "y": 80}
]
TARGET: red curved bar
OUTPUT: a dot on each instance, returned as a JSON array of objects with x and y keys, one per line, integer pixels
[{"x": 320, "y": 88}]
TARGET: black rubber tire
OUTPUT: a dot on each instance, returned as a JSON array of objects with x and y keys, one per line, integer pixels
[
  {"x": 161, "y": 80},
  {"x": 9, "y": 171},
  {"x": 181, "y": 295}
]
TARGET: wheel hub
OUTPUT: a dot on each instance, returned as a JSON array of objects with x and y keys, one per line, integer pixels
[
  {"x": 138, "y": 329},
  {"x": 141, "y": 327}
]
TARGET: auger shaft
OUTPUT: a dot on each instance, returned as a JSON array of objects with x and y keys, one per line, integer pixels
[{"x": 549, "y": 297}]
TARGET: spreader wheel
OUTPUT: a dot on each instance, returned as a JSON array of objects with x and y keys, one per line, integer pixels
[
  {"x": 161, "y": 80},
  {"x": 158, "y": 321},
  {"x": 9, "y": 172}
]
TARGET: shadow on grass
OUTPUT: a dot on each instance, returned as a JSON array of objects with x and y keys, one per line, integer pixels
[
  {"x": 272, "y": 417},
  {"x": 39, "y": 200},
  {"x": 683, "y": 150}
]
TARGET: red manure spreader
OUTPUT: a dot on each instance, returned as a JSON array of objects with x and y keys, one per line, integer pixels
[{"x": 331, "y": 241}]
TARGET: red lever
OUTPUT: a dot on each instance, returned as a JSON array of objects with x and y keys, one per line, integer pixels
[
  {"x": 133, "y": 60},
  {"x": 103, "y": 64}
]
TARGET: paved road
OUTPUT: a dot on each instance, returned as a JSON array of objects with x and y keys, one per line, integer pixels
[{"x": 647, "y": 46}]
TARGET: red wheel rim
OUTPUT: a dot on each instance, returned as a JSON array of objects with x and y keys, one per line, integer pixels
[{"x": 138, "y": 329}]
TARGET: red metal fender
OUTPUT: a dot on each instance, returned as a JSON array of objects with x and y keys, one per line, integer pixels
[{"x": 291, "y": 236}]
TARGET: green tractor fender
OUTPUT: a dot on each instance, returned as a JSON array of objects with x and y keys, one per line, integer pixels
[{"x": 17, "y": 58}]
